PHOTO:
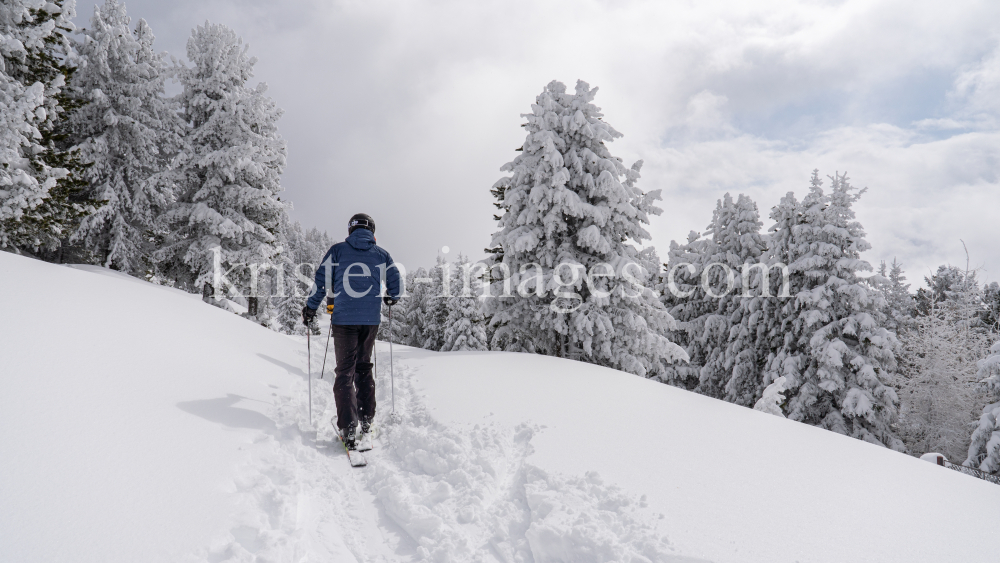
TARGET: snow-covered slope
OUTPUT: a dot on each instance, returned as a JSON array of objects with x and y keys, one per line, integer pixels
[{"x": 139, "y": 424}]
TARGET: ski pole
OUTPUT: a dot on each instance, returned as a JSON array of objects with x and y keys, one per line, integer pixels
[
  {"x": 323, "y": 371},
  {"x": 309, "y": 368},
  {"x": 392, "y": 379}
]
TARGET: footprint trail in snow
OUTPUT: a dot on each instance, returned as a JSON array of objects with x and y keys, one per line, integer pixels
[{"x": 430, "y": 492}]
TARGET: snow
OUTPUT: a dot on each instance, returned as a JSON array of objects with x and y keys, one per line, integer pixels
[
  {"x": 933, "y": 457},
  {"x": 772, "y": 398},
  {"x": 138, "y": 423}
]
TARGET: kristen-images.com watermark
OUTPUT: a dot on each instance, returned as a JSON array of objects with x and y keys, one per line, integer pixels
[{"x": 565, "y": 281}]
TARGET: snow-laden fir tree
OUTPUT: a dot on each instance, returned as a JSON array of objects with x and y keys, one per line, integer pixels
[
  {"x": 984, "y": 449},
  {"x": 230, "y": 166},
  {"x": 393, "y": 320},
  {"x": 837, "y": 357},
  {"x": 40, "y": 174},
  {"x": 317, "y": 243},
  {"x": 127, "y": 132},
  {"x": 415, "y": 302},
  {"x": 899, "y": 313},
  {"x": 290, "y": 295},
  {"x": 760, "y": 333},
  {"x": 746, "y": 351},
  {"x": 684, "y": 297},
  {"x": 756, "y": 334},
  {"x": 899, "y": 302},
  {"x": 772, "y": 398},
  {"x": 292, "y": 278},
  {"x": 776, "y": 314},
  {"x": 736, "y": 241},
  {"x": 990, "y": 314},
  {"x": 703, "y": 291},
  {"x": 465, "y": 328},
  {"x": 746, "y": 342},
  {"x": 943, "y": 285},
  {"x": 396, "y": 327},
  {"x": 22, "y": 108},
  {"x": 572, "y": 208},
  {"x": 719, "y": 325},
  {"x": 434, "y": 310}
]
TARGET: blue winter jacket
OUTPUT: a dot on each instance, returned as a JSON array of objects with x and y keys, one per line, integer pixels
[{"x": 355, "y": 268}]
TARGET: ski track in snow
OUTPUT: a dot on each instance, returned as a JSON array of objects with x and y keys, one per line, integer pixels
[{"x": 430, "y": 493}]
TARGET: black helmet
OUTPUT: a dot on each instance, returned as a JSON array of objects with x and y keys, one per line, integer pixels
[{"x": 360, "y": 221}]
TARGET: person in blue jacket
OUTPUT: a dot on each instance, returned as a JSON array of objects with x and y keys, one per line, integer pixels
[{"x": 354, "y": 271}]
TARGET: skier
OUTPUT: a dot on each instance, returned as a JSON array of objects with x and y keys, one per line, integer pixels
[{"x": 353, "y": 270}]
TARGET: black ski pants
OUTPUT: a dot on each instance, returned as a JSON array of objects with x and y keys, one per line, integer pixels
[{"x": 354, "y": 386}]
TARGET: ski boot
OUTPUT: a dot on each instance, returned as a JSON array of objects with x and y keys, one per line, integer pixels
[{"x": 349, "y": 436}]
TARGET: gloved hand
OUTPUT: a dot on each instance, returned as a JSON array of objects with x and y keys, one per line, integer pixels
[
  {"x": 390, "y": 301},
  {"x": 308, "y": 315}
]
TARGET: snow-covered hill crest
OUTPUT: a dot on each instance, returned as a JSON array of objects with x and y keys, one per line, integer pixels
[{"x": 139, "y": 424}]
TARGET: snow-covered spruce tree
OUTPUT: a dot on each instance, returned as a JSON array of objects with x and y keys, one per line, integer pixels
[
  {"x": 570, "y": 207},
  {"x": 127, "y": 132},
  {"x": 290, "y": 296},
  {"x": 399, "y": 332},
  {"x": 736, "y": 241},
  {"x": 434, "y": 312},
  {"x": 943, "y": 285},
  {"x": 709, "y": 320},
  {"x": 415, "y": 303},
  {"x": 499, "y": 192},
  {"x": 990, "y": 314},
  {"x": 899, "y": 312},
  {"x": 839, "y": 357},
  {"x": 984, "y": 449},
  {"x": 317, "y": 244},
  {"x": 899, "y": 302},
  {"x": 465, "y": 328},
  {"x": 683, "y": 295},
  {"x": 746, "y": 352},
  {"x": 396, "y": 327},
  {"x": 292, "y": 277},
  {"x": 751, "y": 311},
  {"x": 772, "y": 398},
  {"x": 771, "y": 318},
  {"x": 706, "y": 297},
  {"x": 229, "y": 168},
  {"x": 40, "y": 176}
]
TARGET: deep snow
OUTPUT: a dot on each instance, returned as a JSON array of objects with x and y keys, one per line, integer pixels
[{"x": 139, "y": 424}]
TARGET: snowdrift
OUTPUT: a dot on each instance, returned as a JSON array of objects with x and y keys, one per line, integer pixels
[{"x": 139, "y": 424}]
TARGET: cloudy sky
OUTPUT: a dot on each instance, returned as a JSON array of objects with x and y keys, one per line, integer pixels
[{"x": 406, "y": 110}]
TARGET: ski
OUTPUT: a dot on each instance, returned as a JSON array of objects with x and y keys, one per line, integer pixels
[
  {"x": 365, "y": 442},
  {"x": 356, "y": 458}
]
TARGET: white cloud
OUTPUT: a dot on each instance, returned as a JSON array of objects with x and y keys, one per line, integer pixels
[
  {"x": 406, "y": 110},
  {"x": 923, "y": 196}
]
